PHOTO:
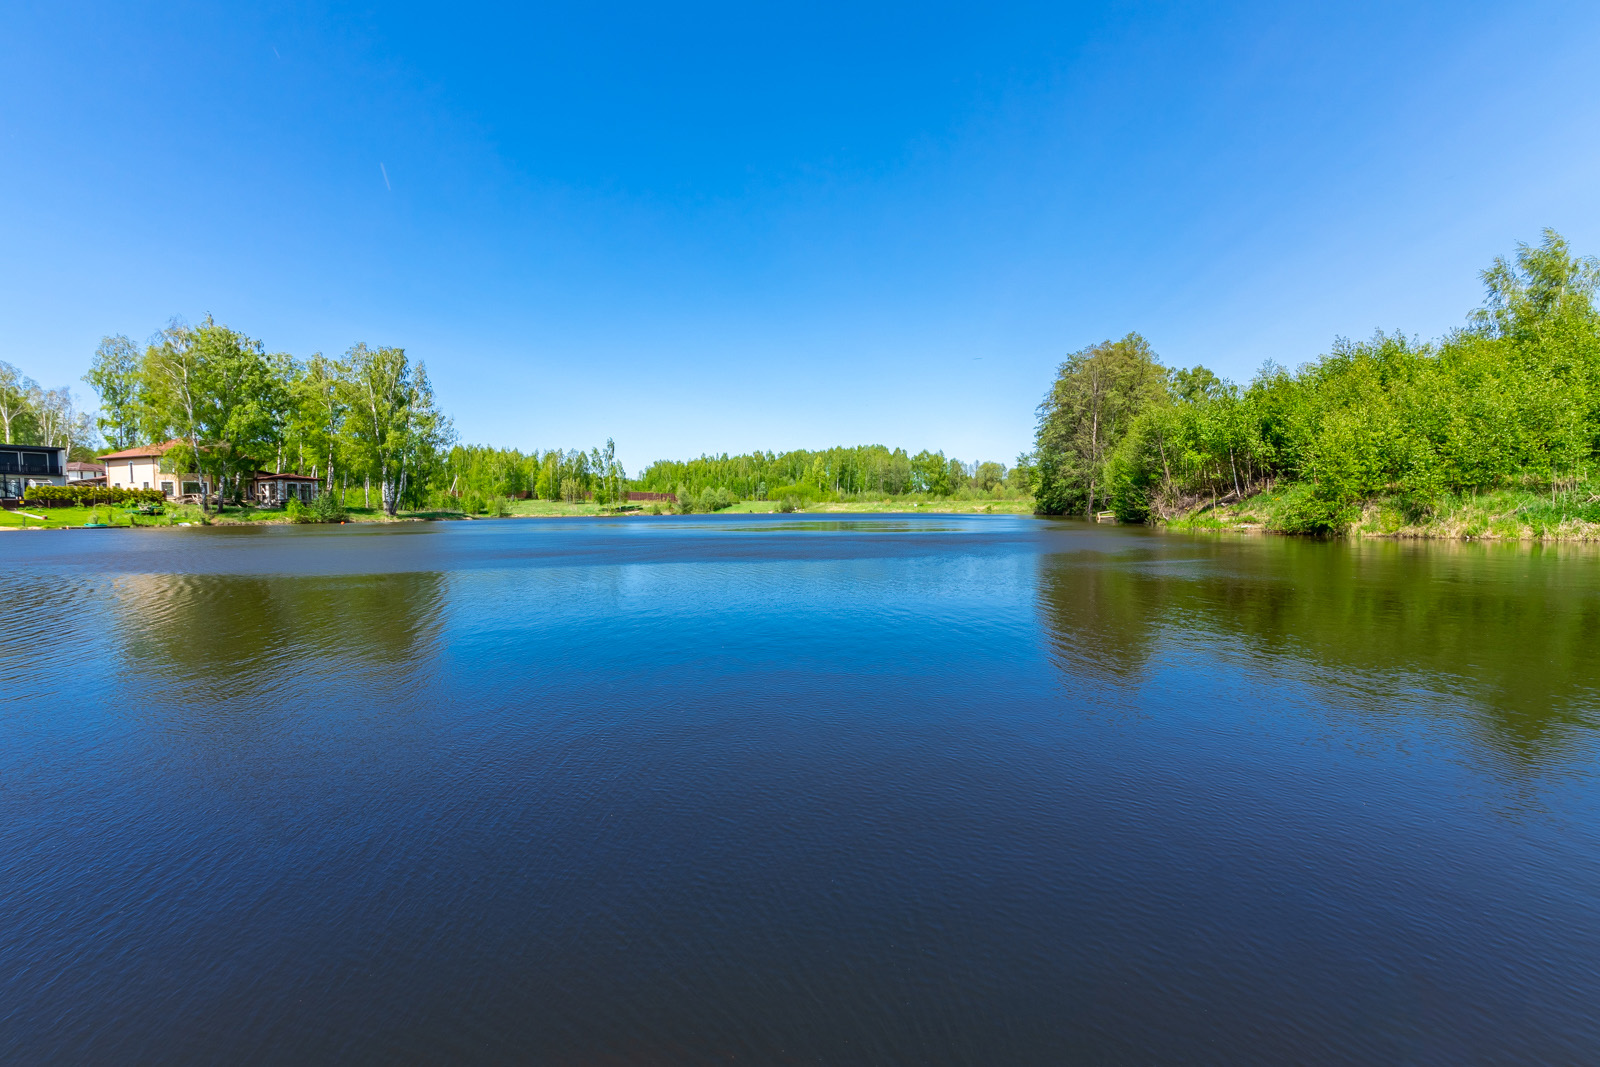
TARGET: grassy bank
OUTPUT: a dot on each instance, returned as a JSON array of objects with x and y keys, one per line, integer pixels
[
  {"x": 949, "y": 506},
  {"x": 235, "y": 516},
  {"x": 900, "y": 505},
  {"x": 35, "y": 518},
  {"x": 1501, "y": 514},
  {"x": 182, "y": 514}
]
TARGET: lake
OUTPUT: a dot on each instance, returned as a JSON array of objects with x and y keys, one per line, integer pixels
[{"x": 964, "y": 790}]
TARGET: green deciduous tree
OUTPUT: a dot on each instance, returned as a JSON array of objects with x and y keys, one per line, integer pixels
[
  {"x": 1098, "y": 392},
  {"x": 394, "y": 431},
  {"x": 213, "y": 388},
  {"x": 610, "y": 481},
  {"x": 14, "y": 409},
  {"x": 115, "y": 375},
  {"x": 1512, "y": 399},
  {"x": 318, "y": 414}
]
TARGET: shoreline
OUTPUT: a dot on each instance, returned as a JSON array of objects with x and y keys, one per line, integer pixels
[
  {"x": 188, "y": 516},
  {"x": 1500, "y": 515},
  {"x": 1503, "y": 516}
]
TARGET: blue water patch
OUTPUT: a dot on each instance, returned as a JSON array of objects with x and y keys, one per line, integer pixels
[{"x": 926, "y": 790}]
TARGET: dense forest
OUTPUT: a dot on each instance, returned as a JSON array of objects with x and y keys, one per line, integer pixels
[
  {"x": 834, "y": 473},
  {"x": 1510, "y": 399},
  {"x": 477, "y": 473}
]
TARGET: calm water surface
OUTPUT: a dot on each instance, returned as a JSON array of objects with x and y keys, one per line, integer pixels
[{"x": 776, "y": 790}]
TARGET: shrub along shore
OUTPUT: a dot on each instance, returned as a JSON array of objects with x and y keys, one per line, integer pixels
[
  {"x": 135, "y": 516},
  {"x": 1494, "y": 515}
]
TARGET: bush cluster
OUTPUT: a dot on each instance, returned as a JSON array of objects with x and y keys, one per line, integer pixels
[
  {"x": 326, "y": 507},
  {"x": 706, "y": 500},
  {"x": 472, "y": 502},
  {"x": 88, "y": 495}
]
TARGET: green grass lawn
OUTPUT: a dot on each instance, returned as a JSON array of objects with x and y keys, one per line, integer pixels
[
  {"x": 29, "y": 517},
  {"x": 175, "y": 515}
]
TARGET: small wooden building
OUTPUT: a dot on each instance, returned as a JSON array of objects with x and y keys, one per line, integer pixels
[{"x": 275, "y": 490}]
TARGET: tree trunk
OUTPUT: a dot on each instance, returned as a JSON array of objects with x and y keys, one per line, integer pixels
[
  {"x": 199, "y": 472},
  {"x": 387, "y": 491},
  {"x": 1094, "y": 446}
]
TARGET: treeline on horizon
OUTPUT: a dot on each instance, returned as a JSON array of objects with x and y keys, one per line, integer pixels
[
  {"x": 1510, "y": 400},
  {"x": 477, "y": 473}
]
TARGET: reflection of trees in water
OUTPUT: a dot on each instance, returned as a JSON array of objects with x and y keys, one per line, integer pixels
[
  {"x": 1509, "y": 630},
  {"x": 235, "y": 627},
  {"x": 243, "y": 679},
  {"x": 1102, "y": 612}
]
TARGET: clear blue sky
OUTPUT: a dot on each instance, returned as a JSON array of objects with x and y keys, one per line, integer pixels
[{"x": 716, "y": 228}]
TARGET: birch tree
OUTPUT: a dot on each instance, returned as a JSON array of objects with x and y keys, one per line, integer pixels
[
  {"x": 54, "y": 416},
  {"x": 610, "y": 479},
  {"x": 319, "y": 415},
  {"x": 214, "y": 388},
  {"x": 391, "y": 424},
  {"x": 14, "y": 388}
]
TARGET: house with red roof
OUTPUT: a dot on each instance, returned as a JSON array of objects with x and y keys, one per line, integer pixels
[{"x": 140, "y": 468}]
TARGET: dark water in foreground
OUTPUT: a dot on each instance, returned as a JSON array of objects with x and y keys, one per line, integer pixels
[{"x": 924, "y": 790}]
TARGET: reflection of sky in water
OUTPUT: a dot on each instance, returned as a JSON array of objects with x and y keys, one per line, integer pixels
[
  {"x": 849, "y": 526},
  {"x": 965, "y": 790}
]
